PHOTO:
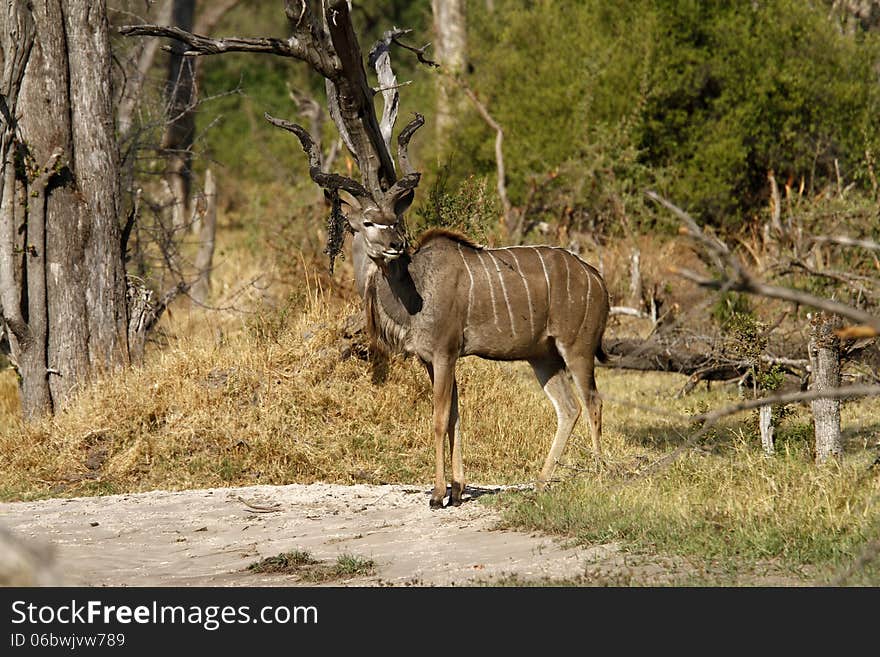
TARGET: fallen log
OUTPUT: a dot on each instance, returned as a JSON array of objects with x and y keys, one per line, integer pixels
[
  {"x": 701, "y": 364},
  {"x": 655, "y": 355}
]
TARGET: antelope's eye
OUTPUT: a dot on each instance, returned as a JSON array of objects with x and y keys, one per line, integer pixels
[{"x": 368, "y": 224}]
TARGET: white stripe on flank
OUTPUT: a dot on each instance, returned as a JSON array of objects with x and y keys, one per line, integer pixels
[
  {"x": 504, "y": 290},
  {"x": 546, "y": 275},
  {"x": 471, "y": 288},
  {"x": 528, "y": 292},
  {"x": 491, "y": 289},
  {"x": 589, "y": 289},
  {"x": 567, "y": 278}
]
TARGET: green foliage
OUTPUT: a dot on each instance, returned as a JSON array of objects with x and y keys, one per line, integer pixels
[
  {"x": 729, "y": 305},
  {"x": 770, "y": 378},
  {"x": 747, "y": 337},
  {"x": 598, "y": 101},
  {"x": 471, "y": 208},
  {"x": 699, "y": 100}
]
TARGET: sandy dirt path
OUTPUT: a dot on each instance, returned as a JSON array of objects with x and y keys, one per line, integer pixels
[{"x": 209, "y": 537}]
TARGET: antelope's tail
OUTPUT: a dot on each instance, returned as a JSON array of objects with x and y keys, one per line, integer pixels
[{"x": 601, "y": 354}]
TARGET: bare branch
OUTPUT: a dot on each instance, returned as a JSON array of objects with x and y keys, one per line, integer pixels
[
  {"x": 380, "y": 59},
  {"x": 711, "y": 418},
  {"x": 717, "y": 249},
  {"x": 844, "y": 392},
  {"x": 403, "y": 144},
  {"x": 750, "y": 286},
  {"x": 499, "y": 151},
  {"x": 201, "y": 45},
  {"x": 325, "y": 180},
  {"x": 354, "y": 103},
  {"x": 419, "y": 52},
  {"x": 742, "y": 280}
]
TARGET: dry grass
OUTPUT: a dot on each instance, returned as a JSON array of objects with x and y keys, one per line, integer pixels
[
  {"x": 275, "y": 403},
  {"x": 9, "y": 404}
]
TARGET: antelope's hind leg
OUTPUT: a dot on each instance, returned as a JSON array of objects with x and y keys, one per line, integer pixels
[
  {"x": 582, "y": 369},
  {"x": 552, "y": 376}
]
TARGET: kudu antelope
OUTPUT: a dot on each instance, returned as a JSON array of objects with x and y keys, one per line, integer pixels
[{"x": 449, "y": 297}]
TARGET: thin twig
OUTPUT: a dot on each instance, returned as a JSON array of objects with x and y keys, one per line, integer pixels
[
  {"x": 843, "y": 240},
  {"x": 499, "y": 150},
  {"x": 275, "y": 508}
]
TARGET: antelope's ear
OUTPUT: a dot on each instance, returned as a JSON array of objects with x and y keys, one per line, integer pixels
[
  {"x": 349, "y": 200},
  {"x": 402, "y": 203}
]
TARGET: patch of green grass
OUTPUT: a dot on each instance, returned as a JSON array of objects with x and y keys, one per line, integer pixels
[
  {"x": 736, "y": 508},
  {"x": 286, "y": 562},
  {"x": 302, "y": 564},
  {"x": 99, "y": 487},
  {"x": 351, "y": 565}
]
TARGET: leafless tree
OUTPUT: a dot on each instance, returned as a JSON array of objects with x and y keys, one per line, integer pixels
[
  {"x": 182, "y": 99},
  {"x": 322, "y": 36},
  {"x": 824, "y": 347}
]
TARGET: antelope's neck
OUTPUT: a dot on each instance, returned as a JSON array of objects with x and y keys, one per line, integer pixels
[
  {"x": 363, "y": 266},
  {"x": 391, "y": 297}
]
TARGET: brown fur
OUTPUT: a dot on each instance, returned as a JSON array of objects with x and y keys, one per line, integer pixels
[{"x": 436, "y": 233}]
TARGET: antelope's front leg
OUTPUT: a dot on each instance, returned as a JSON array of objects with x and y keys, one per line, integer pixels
[
  {"x": 444, "y": 380},
  {"x": 455, "y": 447}
]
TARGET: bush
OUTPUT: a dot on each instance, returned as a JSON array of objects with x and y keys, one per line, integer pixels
[{"x": 700, "y": 100}]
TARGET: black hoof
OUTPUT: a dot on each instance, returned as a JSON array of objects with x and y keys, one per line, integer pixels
[
  {"x": 436, "y": 504},
  {"x": 455, "y": 494}
]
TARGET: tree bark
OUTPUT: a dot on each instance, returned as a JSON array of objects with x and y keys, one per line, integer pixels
[
  {"x": 180, "y": 96},
  {"x": 63, "y": 284},
  {"x": 825, "y": 362},
  {"x": 205, "y": 256},
  {"x": 765, "y": 424},
  {"x": 450, "y": 43},
  {"x": 635, "y": 279}
]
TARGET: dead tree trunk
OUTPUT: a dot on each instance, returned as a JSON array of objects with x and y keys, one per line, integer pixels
[
  {"x": 765, "y": 423},
  {"x": 635, "y": 279},
  {"x": 327, "y": 42},
  {"x": 62, "y": 282},
  {"x": 136, "y": 70},
  {"x": 205, "y": 256},
  {"x": 180, "y": 128},
  {"x": 825, "y": 362}
]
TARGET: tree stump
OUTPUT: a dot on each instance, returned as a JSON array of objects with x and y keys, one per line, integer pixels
[
  {"x": 766, "y": 426},
  {"x": 825, "y": 362}
]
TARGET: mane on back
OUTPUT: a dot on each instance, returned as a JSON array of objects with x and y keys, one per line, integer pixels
[{"x": 433, "y": 234}]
